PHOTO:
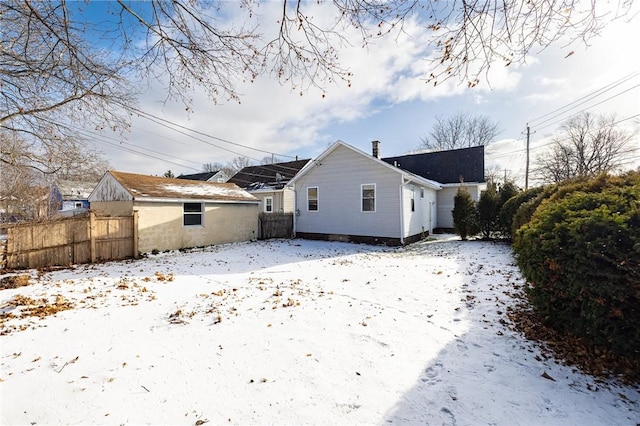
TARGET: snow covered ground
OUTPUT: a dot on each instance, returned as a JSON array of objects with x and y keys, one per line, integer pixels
[{"x": 291, "y": 332}]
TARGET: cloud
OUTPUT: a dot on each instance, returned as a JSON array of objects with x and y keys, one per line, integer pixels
[{"x": 388, "y": 98}]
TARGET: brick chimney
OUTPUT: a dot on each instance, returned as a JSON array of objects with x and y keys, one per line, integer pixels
[{"x": 375, "y": 148}]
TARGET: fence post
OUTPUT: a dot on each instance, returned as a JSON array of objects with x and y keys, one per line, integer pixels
[
  {"x": 135, "y": 234},
  {"x": 92, "y": 234}
]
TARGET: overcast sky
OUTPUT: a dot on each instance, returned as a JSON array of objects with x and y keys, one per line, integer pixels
[{"x": 389, "y": 101}]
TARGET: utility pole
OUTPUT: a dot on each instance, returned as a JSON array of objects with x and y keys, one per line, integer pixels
[{"x": 526, "y": 172}]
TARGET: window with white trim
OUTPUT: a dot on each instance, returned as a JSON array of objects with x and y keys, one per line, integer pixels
[
  {"x": 368, "y": 195},
  {"x": 193, "y": 214},
  {"x": 268, "y": 204},
  {"x": 421, "y": 192},
  {"x": 312, "y": 198}
]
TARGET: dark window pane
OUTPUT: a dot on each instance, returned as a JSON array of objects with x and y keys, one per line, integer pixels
[
  {"x": 192, "y": 207},
  {"x": 368, "y": 205},
  {"x": 192, "y": 219}
]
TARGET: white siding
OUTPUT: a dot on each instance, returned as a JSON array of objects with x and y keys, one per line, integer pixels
[
  {"x": 445, "y": 202},
  {"x": 420, "y": 220},
  {"x": 339, "y": 178},
  {"x": 288, "y": 200},
  {"x": 282, "y": 199}
]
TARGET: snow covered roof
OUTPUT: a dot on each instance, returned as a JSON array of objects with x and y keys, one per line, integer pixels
[
  {"x": 268, "y": 176},
  {"x": 75, "y": 189},
  {"x": 152, "y": 187}
]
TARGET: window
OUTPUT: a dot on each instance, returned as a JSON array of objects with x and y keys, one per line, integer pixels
[
  {"x": 413, "y": 198},
  {"x": 312, "y": 198},
  {"x": 268, "y": 204},
  {"x": 421, "y": 192},
  {"x": 369, "y": 197},
  {"x": 193, "y": 214}
]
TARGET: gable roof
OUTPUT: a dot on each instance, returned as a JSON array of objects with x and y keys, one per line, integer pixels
[
  {"x": 406, "y": 174},
  {"x": 74, "y": 189},
  {"x": 445, "y": 166},
  {"x": 205, "y": 176},
  {"x": 273, "y": 176},
  {"x": 153, "y": 188}
]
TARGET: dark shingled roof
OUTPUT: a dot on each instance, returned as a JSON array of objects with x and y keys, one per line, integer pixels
[
  {"x": 466, "y": 164},
  {"x": 198, "y": 176},
  {"x": 268, "y": 175}
]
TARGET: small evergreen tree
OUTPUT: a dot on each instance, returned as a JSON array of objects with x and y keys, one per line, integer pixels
[
  {"x": 168, "y": 174},
  {"x": 488, "y": 209},
  {"x": 464, "y": 214}
]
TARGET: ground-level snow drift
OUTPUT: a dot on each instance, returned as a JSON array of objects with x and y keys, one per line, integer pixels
[{"x": 290, "y": 332}]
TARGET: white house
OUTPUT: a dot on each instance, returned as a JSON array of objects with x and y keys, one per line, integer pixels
[
  {"x": 348, "y": 195},
  {"x": 451, "y": 169}
]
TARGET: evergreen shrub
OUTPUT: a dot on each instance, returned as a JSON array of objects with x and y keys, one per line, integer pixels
[
  {"x": 510, "y": 208},
  {"x": 581, "y": 255},
  {"x": 464, "y": 212}
]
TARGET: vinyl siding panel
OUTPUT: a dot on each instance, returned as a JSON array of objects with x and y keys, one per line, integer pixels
[
  {"x": 339, "y": 178},
  {"x": 446, "y": 203},
  {"x": 283, "y": 200},
  {"x": 423, "y": 219}
]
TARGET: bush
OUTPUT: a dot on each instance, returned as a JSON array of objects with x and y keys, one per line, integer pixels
[
  {"x": 555, "y": 192},
  {"x": 488, "y": 209},
  {"x": 581, "y": 255},
  {"x": 510, "y": 208},
  {"x": 464, "y": 214}
]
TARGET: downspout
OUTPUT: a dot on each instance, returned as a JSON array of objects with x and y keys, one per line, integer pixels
[
  {"x": 401, "y": 210},
  {"x": 295, "y": 210}
]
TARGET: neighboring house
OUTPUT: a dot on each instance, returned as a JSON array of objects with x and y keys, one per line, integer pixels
[
  {"x": 269, "y": 183},
  {"x": 70, "y": 197},
  {"x": 178, "y": 213},
  {"x": 452, "y": 169},
  {"x": 349, "y": 195},
  {"x": 218, "y": 176}
]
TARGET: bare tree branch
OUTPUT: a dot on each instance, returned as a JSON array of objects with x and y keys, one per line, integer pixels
[
  {"x": 587, "y": 146},
  {"x": 460, "y": 131}
]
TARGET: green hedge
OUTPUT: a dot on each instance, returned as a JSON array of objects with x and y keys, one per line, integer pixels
[
  {"x": 508, "y": 224},
  {"x": 581, "y": 255}
]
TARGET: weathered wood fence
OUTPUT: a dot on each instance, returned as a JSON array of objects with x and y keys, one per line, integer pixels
[
  {"x": 78, "y": 239},
  {"x": 276, "y": 225}
]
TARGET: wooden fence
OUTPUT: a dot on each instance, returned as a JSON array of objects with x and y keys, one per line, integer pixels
[
  {"x": 79, "y": 239},
  {"x": 276, "y": 225}
]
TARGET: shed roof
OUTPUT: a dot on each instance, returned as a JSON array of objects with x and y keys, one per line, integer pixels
[
  {"x": 153, "y": 187},
  {"x": 466, "y": 164}
]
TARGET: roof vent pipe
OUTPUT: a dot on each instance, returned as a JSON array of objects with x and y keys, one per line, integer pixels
[{"x": 375, "y": 148}]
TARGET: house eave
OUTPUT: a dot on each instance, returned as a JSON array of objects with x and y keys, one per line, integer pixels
[{"x": 192, "y": 200}]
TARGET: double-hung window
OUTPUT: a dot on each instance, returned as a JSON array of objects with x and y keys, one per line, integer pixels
[
  {"x": 268, "y": 204},
  {"x": 312, "y": 198},
  {"x": 193, "y": 214},
  {"x": 368, "y": 197}
]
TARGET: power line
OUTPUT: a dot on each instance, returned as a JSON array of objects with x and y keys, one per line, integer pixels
[
  {"x": 589, "y": 107},
  {"x": 101, "y": 138},
  {"x": 585, "y": 98},
  {"x": 168, "y": 122}
]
